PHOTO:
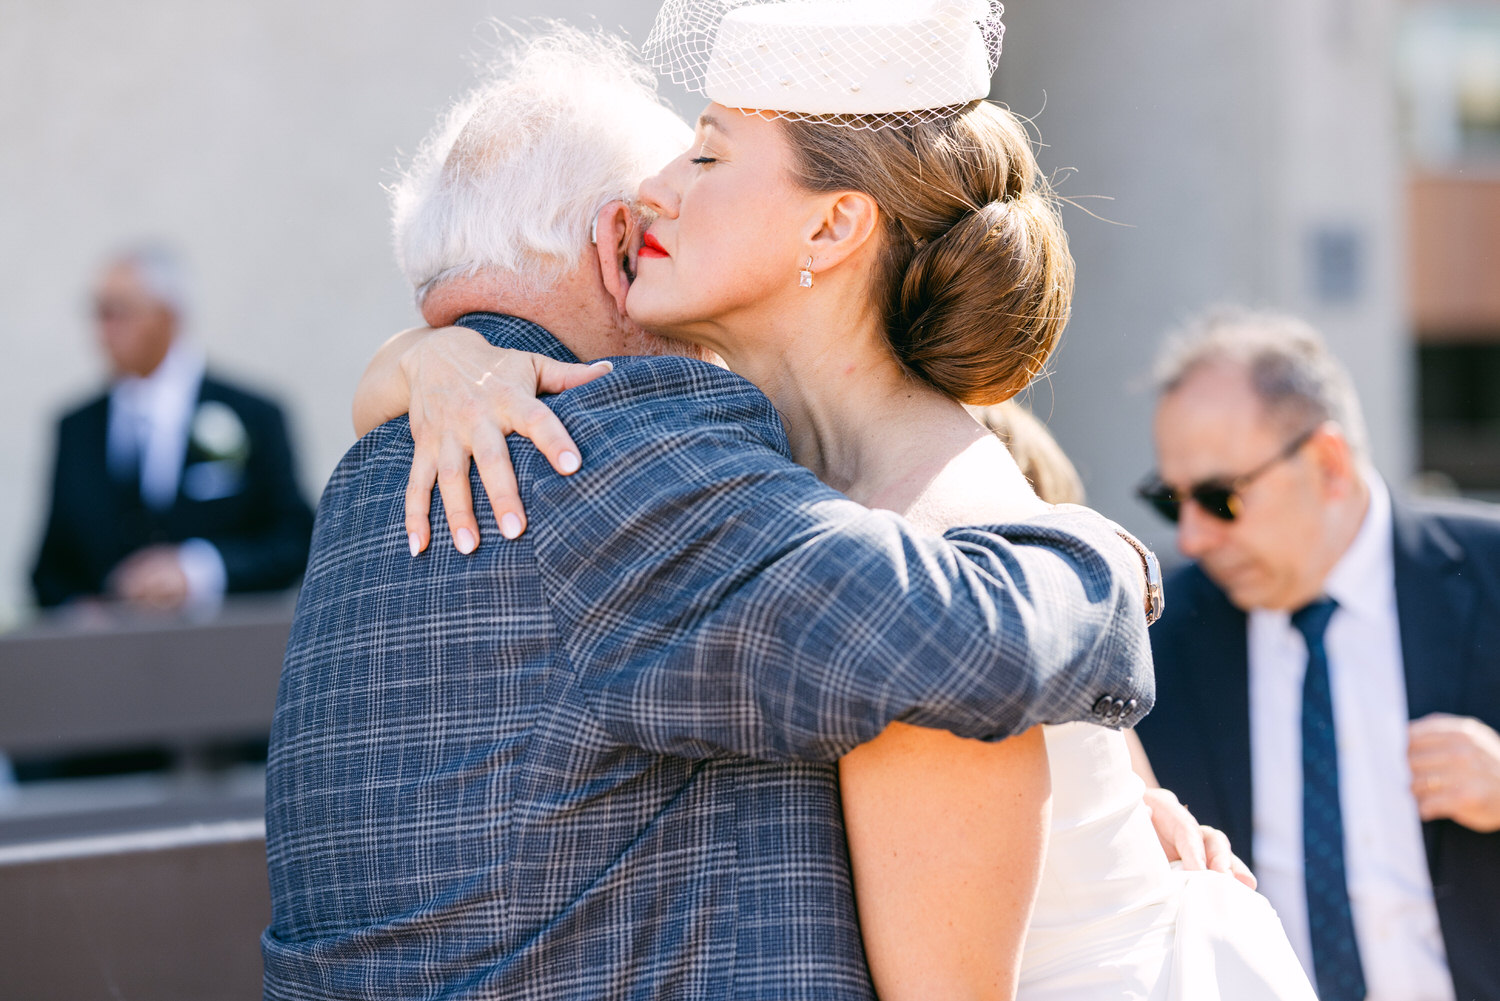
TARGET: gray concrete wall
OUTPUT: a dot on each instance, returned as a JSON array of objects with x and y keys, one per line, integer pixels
[{"x": 1234, "y": 138}]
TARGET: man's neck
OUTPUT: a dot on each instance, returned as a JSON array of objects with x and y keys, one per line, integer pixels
[
  {"x": 572, "y": 310},
  {"x": 1350, "y": 519},
  {"x": 1343, "y": 524},
  {"x": 178, "y": 356}
]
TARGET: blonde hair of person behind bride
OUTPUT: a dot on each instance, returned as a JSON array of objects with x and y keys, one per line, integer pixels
[{"x": 1042, "y": 460}]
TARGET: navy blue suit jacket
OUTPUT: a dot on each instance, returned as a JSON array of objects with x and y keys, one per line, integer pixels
[
  {"x": 251, "y": 510},
  {"x": 1447, "y": 561}
]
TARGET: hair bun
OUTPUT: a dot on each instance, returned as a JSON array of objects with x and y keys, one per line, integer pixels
[
  {"x": 981, "y": 306},
  {"x": 974, "y": 278}
]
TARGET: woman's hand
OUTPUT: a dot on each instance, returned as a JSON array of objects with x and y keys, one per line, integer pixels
[
  {"x": 464, "y": 396},
  {"x": 1195, "y": 845},
  {"x": 1183, "y": 839}
]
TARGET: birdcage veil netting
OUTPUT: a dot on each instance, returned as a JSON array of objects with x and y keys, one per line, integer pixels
[{"x": 854, "y": 63}]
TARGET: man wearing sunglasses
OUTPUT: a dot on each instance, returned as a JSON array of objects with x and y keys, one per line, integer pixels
[{"x": 1328, "y": 668}]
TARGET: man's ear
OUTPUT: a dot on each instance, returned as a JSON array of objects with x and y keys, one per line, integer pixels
[
  {"x": 1335, "y": 458},
  {"x": 614, "y": 229},
  {"x": 842, "y": 227}
]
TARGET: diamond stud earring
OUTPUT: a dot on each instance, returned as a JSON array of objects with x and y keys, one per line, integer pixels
[{"x": 804, "y": 277}]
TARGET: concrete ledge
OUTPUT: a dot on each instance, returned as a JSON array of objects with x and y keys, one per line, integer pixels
[
  {"x": 168, "y": 914},
  {"x": 192, "y": 836},
  {"x": 140, "y": 682}
]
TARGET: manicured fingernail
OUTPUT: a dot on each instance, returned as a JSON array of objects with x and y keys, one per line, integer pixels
[
  {"x": 608, "y": 366},
  {"x": 413, "y": 543},
  {"x": 510, "y": 526},
  {"x": 568, "y": 462},
  {"x": 465, "y": 541}
]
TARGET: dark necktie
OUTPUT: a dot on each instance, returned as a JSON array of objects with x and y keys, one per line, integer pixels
[
  {"x": 132, "y": 515},
  {"x": 1330, "y": 920}
]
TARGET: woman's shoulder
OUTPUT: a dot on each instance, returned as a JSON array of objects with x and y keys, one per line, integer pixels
[{"x": 982, "y": 485}]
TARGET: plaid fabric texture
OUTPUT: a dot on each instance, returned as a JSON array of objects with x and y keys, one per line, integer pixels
[{"x": 597, "y": 762}]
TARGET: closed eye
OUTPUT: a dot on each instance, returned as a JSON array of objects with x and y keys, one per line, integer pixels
[{"x": 703, "y": 160}]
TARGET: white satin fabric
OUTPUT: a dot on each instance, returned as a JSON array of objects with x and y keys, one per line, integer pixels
[{"x": 1115, "y": 922}]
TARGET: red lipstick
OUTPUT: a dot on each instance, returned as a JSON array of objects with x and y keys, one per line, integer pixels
[{"x": 651, "y": 247}]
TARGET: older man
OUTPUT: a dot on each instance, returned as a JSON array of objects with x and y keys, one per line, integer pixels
[
  {"x": 597, "y": 761},
  {"x": 1327, "y": 669},
  {"x": 175, "y": 486}
]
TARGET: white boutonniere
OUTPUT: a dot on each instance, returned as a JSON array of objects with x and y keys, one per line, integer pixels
[{"x": 218, "y": 433}]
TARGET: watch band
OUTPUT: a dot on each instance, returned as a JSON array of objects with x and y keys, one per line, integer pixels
[{"x": 1156, "y": 599}]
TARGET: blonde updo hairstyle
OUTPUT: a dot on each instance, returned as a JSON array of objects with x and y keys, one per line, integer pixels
[{"x": 974, "y": 277}]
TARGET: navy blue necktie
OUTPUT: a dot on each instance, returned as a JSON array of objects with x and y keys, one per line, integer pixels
[{"x": 1330, "y": 920}]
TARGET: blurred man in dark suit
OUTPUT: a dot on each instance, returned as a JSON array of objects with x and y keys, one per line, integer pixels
[
  {"x": 172, "y": 487},
  {"x": 1327, "y": 677}
]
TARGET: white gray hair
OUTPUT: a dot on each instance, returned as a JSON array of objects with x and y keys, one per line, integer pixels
[
  {"x": 510, "y": 180},
  {"x": 162, "y": 273},
  {"x": 1295, "y": 376}
]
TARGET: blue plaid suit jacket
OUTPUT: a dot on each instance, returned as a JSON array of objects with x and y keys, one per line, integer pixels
[{"x": 598, "y": 761}]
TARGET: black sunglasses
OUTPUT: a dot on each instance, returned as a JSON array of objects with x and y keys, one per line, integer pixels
[{"x": 1219, "y": 498}]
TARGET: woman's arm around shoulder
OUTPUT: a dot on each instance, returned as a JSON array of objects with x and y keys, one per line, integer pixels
[{"x": 464, "y": 395}]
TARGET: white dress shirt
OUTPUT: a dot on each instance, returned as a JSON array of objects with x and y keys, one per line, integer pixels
[
  {"x": 1390, "y": 887},
  {"x": 149, "y": 421}
]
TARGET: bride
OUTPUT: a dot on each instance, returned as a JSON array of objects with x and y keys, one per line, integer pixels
[{"x": 874, "y": 246}]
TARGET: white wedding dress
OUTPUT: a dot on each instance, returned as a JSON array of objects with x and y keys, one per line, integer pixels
[{"x": 1115, "y": 921}]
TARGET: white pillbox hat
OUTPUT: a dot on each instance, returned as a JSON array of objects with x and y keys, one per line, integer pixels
[{"x": 813, "y": 58}]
